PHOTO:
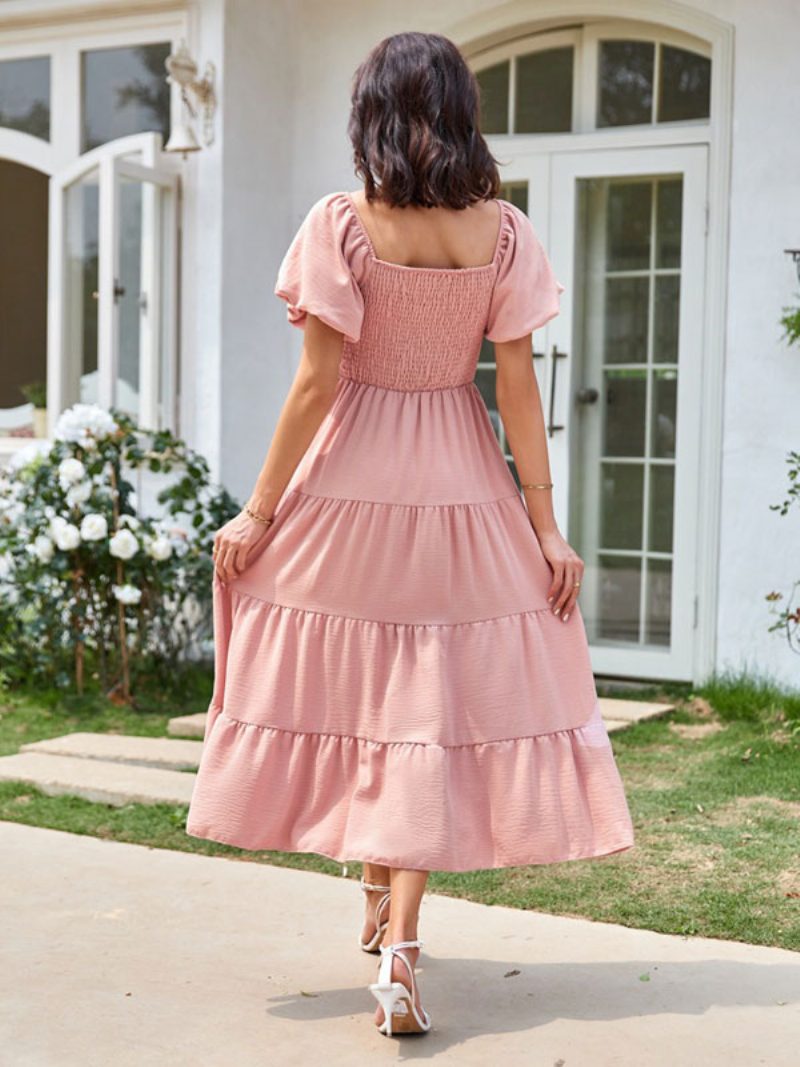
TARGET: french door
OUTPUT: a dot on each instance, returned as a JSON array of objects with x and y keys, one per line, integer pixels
[
  {"x": 112, "y": 282},
  {"x": 620, "y": 373}
]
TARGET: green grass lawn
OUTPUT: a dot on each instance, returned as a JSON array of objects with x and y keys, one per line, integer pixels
[{"x": 714, "y": 791}]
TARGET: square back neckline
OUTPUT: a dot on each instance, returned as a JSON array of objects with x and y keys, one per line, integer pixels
[{"x": 438, "y": 270}]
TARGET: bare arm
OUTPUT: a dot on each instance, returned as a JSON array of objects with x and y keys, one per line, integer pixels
[
  {"x": 308, "y": 401},
  {"x": 520, "y": 406}
]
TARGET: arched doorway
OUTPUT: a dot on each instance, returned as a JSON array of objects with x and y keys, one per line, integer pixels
[{"x": 603, "y": 130}]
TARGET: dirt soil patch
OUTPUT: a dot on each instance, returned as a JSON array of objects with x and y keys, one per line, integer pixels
[
  {"x": 695, "y": 730},
  {"x": 745, "y": 811}
]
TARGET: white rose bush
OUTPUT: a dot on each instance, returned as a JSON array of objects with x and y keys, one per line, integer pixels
[{"x": 89, "y": 587}]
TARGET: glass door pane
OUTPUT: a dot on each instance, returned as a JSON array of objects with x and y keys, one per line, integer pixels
[
  {"x": 144, "y": 300},
  {"x": 516, "y": 192},
  {"x": 81, "y": 284},
  {"x": 623, "y": 493},
  {"x": 130, "y": 298}
]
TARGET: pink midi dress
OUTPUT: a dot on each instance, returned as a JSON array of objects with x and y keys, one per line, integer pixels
[{"x": 391, "y": 684}]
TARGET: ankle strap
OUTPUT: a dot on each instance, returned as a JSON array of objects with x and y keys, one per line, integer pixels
[
  {"x": 400, "y": 944},
  {"x": 370, "y": 887}
]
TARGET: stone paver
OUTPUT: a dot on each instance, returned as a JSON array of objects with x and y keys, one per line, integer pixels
[
  {"x": 119, "y": 954},
  {"x": 120, "y": 769},
  {"x": 615, "y": 724},
  {"x": 101, "y": 781},
  {"x": 632, "y": 710},
  {"x": 164, "y": 752},
  {"x": 187, "y": 725}
]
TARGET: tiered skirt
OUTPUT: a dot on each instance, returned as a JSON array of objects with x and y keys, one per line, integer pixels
[{"x": 390, "y": 683}]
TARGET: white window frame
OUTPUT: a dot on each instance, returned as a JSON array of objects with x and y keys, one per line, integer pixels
[
  {"x": 585, "y": 40},
  {"x": 63, "y": 41}
]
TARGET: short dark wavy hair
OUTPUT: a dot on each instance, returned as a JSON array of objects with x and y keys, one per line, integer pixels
[{"x": 415, "y": 125}]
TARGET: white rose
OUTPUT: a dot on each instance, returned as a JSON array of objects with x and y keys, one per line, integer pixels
[
  {"x": 27, "y": 454},
  {"x": 84, "y": 424},
  {"x": 127, "y": 594},
  {"x": 56, "y": 522},
  {"x": 123, "y": 545},
  {"x": 159, "y": 548},
  {"x": 129, "y": 520},
  {"x": 79, "y": 494},
  {"x": 14, "y": 512},
  {"x": 94, "y": 527},
  {"x": 71, "y": 470},
  {"x": 43, "y": 548},
  {"x": 67, "y": 536}
]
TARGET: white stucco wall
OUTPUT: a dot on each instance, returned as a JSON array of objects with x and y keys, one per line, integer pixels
[
  {"x": 237, "y": 358},
  {"x": 759, "y": 550},
  {"x": 285, "y": 69}
]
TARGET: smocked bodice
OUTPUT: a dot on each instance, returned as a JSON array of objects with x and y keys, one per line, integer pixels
[
  {"x": 422, "y": 329},
  {"x": 406, "y": 327}
]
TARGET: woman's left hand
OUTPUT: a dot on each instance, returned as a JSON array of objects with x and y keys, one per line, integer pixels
[
  {"x": 567, "y": 567},
  {"x": 233, "y": 544}
]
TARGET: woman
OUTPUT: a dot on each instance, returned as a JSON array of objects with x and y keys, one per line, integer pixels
[{"x": 402, "y": 676}]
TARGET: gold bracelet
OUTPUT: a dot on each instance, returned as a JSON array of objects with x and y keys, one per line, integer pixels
[
  {"x": 255, "y": 516},
  {"x": 536, "y": 485}
]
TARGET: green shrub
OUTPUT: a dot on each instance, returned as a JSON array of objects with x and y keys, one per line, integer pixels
[{"x": 84, "y": 576}]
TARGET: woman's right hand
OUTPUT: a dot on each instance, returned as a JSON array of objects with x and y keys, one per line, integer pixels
[
  {"x": 567, "y": 567},
  {"x": 234, "y": 543}
]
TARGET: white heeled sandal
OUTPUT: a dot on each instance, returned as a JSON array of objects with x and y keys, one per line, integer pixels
[
  {"x": 399, "y": 1005},
  {"x": 381, "y": 916}
]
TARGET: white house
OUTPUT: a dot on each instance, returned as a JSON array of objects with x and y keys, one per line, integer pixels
[{"x": 653, "y": 144}]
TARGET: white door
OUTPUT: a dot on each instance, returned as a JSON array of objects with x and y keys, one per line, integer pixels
[
  {"x": 624, "y": 378},
  {"x": 112, "y": 282},
  {"x": 620, "y": 374}
]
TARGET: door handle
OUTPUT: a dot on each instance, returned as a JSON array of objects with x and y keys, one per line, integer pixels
[
  {"x": 119, "y": 292},
  {"x": 588, "y": 395},
  {"x": 551, "y": 425}
]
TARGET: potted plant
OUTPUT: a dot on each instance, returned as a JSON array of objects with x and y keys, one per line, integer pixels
[{"x": 36, "y": 393}]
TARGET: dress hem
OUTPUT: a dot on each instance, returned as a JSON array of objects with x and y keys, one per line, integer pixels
[
  {"x": 401, "y": 864},
  {"x": 540, "y": 799}
]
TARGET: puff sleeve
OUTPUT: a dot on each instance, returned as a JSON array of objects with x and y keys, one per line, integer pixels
[
  {"x": 526, "y": 292},
  {"x": 318, "y": 273}
]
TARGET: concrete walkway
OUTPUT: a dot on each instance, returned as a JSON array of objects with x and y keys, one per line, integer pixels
[{"x": 120, "y": 955}]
